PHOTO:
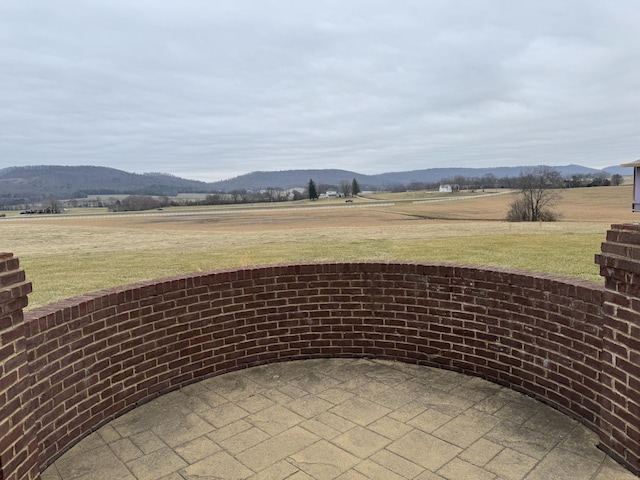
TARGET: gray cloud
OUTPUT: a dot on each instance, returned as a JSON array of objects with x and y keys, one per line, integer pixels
[{"x": 210, "y": 90}]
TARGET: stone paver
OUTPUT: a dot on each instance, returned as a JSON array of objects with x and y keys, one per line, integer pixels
[{"x": 340, "y": 419}]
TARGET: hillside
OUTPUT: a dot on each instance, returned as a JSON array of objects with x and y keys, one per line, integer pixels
[
  {"x": 300, "y": 178},
  {"x": 23, "y": 185},
  {"x": 33, "y": 183}
]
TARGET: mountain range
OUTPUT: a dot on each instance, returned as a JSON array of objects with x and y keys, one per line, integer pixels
[
  {"x": 300, "y": 178},
  {"x": 33, "y": 183}
]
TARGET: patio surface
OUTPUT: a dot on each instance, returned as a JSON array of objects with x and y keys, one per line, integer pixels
[{"x": 340, "y": 419}]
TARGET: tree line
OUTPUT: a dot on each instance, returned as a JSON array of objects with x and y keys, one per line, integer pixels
[
  {"x": 490, "y": 181},
  {"x": 539, "y": 188},
  {"x": 146, "y": 202}
]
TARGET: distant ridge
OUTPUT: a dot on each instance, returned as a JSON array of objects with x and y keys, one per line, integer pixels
[
  {"x": 300, "y": 178},
  {"x": 33, "y": 183},
  {"x": 613, "y": 169}
]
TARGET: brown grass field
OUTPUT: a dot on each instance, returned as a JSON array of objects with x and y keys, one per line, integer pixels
[{"x": 79, "y": 252}]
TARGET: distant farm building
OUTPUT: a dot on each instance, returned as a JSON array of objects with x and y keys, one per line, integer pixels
[{"x": 445, "y": 188}]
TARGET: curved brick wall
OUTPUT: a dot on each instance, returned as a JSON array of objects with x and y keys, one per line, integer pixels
[{"x": 70, "y": 367}]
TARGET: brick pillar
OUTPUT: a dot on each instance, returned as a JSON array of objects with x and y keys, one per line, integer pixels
[
  {"x": 18, "y": 442},
  {"x": 620, "y": 358}
]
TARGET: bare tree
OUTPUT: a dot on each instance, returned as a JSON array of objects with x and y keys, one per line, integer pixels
[
  {"x": 274, "y": 194},
  {"x": 539, "y": 193},
  {"x": 239, "y": 195},
  {"x": 345, "y": 188},
  {"x": 51, "y": 205},
  {"x": 616, "y": 179}
]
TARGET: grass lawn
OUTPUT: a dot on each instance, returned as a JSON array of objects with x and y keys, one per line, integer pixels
[{"x": 69, "y": 255}]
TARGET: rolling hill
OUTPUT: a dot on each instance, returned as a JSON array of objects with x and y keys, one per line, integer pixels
[
  {"x": 21, "y": 185},
  {"x": 300, "y": 178}
]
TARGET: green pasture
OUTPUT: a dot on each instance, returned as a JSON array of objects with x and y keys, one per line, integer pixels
[
  {"x": 69, "y": 255},
  {"x": 64, "y": 262}
]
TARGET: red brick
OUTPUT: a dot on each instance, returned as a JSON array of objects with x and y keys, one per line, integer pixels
[{"x": 495, "y": 323}]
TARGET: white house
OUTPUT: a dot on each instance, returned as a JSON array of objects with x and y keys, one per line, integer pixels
[
  {"x": 445, "y": 189},
  {"x": 332, "y": 194}
]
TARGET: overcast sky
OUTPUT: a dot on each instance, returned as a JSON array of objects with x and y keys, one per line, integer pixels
[{"x": 211, "y": 89}]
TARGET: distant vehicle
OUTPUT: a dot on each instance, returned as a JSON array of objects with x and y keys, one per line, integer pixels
[{"x": 349, "y": 201}]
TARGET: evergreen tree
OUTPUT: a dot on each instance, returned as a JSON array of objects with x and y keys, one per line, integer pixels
[
  {"x": 313, "y": 193},
  {"x": 355, "y": 188}
]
